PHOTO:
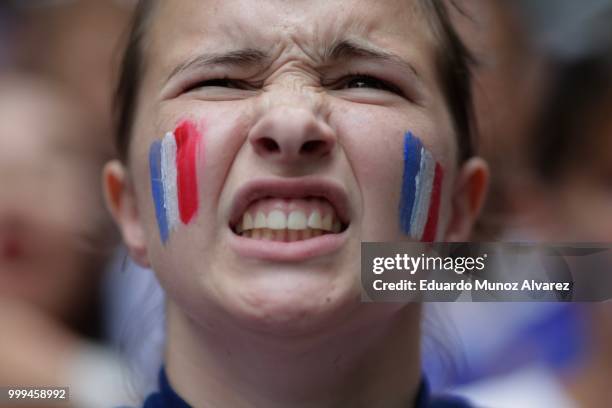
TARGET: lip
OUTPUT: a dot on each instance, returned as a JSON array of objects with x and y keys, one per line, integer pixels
[
  {"x": 289, "y": 188},
  {"x": 296, "y": 251}
]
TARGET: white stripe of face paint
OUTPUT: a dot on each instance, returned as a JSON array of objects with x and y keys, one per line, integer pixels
[
  {"x": 424, "y": 189},
  {"x": 169, "y": 177},
  {"x": 417, "y": 195}
]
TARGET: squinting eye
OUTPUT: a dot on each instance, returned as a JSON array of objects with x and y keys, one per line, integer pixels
[
  {"x": 366, "y": 81},
  {"x": 220, "y": 83}
]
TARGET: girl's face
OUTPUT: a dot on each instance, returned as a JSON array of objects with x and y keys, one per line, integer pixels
[{"x": 298, "y": 107}]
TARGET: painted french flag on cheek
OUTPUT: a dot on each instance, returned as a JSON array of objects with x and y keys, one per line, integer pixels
[
  {"x": 174, "y": 183},
  {"x": 421, "y": 191}
]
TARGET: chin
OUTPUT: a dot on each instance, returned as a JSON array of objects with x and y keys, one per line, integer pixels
[{"x": 293, "y": 303}]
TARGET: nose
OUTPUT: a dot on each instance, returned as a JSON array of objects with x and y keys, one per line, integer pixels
[{"x": 292, "y": 135}]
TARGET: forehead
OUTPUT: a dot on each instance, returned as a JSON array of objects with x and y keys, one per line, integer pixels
[{"x": 179, "y": 29}]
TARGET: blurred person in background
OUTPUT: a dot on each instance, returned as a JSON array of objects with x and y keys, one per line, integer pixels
[
  {"x": 509, "y": 76},
  {"x": 515, "y": 76},
  {"x": 566, "y": 198},
  {"x": 54, "y": 240},
  {"x": 78, "y": 42},
  {"x": 508, "y": 79},
  {"x": 75, "y": 42},
  {"x": 54, "y": 233},
  {"x": 572, "y": 195}
]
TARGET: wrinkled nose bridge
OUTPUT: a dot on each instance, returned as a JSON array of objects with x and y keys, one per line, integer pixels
[
  {"x": 292, "y": 127},
  {"x": 293, "y": 92}
]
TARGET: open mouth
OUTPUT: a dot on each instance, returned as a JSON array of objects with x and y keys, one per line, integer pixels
[
  {"x": 289, "y": 219},
  {"x": 289, "y": 210}
]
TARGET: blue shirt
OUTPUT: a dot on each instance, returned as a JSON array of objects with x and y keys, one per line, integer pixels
[{"x": 166, "y": 397}]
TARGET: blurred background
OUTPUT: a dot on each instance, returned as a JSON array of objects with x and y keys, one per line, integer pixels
[
  {"x": 68, "y": 312},
  {"x": 74, "y": 309}
]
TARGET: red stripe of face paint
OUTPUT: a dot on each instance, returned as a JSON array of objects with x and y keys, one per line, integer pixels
[
  {"x": 187, "y": 142},
  {"x": 429, "y": 234}
]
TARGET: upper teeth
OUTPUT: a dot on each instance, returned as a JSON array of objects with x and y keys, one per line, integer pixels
[
  {"x": 295, "y": 220},
  {"x": 288, "y": 219}
]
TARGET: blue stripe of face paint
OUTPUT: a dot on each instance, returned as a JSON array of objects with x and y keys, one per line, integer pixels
[
  {"x": 157, "y": 188},
  {"x": 418, "y": 188},
  {"x": 412, "y": 165}
]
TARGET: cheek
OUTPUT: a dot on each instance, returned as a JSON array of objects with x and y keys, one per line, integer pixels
[
  {"x": 377, "y": 166},
  {"x": 188, "y": 166},
  {"x": 397, "y": 175},
  {"x": 173, "y": 163}
]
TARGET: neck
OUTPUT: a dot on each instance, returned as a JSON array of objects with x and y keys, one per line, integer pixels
[{"x": 371, "y": 365}]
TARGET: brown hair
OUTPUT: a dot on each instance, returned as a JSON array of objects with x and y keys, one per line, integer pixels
[
  {"x": 130, "y": 76},
  {"x": 453, "y": 61}
]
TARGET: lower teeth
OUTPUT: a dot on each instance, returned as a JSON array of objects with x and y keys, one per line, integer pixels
[{"x": 283, "y": 235}]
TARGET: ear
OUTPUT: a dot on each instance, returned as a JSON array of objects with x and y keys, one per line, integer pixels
[
  {"x": 469, "y": 194},
  {"x": 121, "y": 201}
]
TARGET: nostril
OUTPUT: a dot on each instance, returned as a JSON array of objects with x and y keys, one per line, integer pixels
[
  {"x": 268, "y": 145},
  {"x": 314, "y": 147}
]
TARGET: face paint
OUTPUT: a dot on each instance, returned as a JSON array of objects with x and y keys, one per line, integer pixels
[
  {"x": 187, "y": 141},
  {"x": 174, "y": 183},
  {"x": 157, "y": 188},
  {"x": 421, "y": 191}
]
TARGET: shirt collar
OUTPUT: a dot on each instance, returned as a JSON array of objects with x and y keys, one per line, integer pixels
[{"x": 167, "y": 397}]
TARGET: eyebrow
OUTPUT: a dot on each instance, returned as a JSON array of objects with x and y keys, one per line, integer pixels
[
  {"x": 247, "y": 57},
  {"x": 350, "y": 49},
  {"x": 238, "y": 58}
]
